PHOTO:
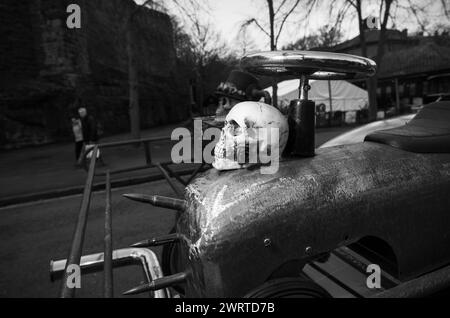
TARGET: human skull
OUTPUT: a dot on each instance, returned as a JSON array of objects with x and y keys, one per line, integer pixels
[{"x": 245, "y": 136}]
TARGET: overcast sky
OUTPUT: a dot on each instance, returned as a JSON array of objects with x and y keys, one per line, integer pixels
[{"x": 226, "y": 16}]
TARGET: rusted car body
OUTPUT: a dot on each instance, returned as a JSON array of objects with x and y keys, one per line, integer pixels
[{"x": 244, "y": 226}]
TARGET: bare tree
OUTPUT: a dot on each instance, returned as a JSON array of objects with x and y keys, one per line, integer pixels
[
  {"x": 446, "y": 7},
  {"x": 372, "y": 82},
  {"x": 326, "y": 37},
  {"x": 207, "y": 46},
  {"x": 133, "y": 80},
  {"x": 204, "y": 45},
  {"x": 244, "y": 42},
  {"x": 278, "y": 14},
  {"x": 126, "y": 27}
]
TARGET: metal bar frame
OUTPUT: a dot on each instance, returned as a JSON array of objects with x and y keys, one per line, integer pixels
[
  {"x": 108, "y": 287},
  {"x": 80, "y": 229},
  {"x": 167, "y": 177},
  {"x": 195, "y": 172},
  {"x": 110, "y": 260},
  {"x": 123, "y": 257},
  {"x": 131, "y": 169},
  {"x": 174, "y": 174}
]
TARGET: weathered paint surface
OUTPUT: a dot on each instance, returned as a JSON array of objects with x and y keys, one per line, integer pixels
[{"x": 315, "y": 205}]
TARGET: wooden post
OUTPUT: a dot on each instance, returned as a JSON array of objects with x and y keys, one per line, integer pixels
[
  {"x": 397, "y": 96},
  {"x": 133, "y": 83},
  {"x": 329, "y": 94}
]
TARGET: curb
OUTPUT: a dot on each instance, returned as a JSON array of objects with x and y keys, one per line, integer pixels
[{"x": 38, "y": 196}]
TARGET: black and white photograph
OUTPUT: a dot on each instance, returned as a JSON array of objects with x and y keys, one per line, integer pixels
[{"x": 224, "y": 150}]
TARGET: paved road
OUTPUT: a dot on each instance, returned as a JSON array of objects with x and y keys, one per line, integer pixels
[{"x": 33, "y": 234}]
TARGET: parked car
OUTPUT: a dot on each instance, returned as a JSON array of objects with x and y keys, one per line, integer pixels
[{"x": 357, "y": 135}]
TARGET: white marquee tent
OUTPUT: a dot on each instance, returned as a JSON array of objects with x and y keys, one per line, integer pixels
[{"x": 345, "y": 96}]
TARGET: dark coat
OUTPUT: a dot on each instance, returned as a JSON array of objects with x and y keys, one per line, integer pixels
[{"x": 90, "y": 133}]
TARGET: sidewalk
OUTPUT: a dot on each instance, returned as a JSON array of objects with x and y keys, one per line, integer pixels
[
  {"x": 49, "y": 168},
  {"x": 48, "y": 171}
]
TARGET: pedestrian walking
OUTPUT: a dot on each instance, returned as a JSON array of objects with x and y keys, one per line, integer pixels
[
  {"x": 90, "y": 132},
  {"x": 78, "y": 138}
]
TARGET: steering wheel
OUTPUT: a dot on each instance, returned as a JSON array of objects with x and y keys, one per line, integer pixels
[
  {"x": 309, "y": 64},
  {"x": 306, "y": 65}
]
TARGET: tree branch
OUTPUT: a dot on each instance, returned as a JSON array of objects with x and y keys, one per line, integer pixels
[
  {"x": 284, "y": 20},
  {"x": 352, "y": 3},
  {"x": 446, "y": 10},
  {"x": 416, "y": 10},
  {"x": 280, "y": 6},
  {"x": 253, "y": 20}
]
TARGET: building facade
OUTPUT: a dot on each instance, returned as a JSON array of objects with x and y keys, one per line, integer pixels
[
  {"x": 45, "y": 66},
  {"x": 414, "y": 69}
]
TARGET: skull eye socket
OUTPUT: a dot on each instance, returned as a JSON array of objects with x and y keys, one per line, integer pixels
[{"x": 236, "y": 129}]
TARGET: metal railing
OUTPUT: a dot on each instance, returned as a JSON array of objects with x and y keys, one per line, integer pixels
[
  {"x": 108, "y": 288},
  {"x": 110, "y": 258},
  {"x": 80, "y": 229}
]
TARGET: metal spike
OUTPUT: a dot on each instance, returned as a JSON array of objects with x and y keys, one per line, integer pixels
[
  {"x": 159, "y": 283},
  {"x": 157, "y": 200},
  {"x": 157, "y": 241}
]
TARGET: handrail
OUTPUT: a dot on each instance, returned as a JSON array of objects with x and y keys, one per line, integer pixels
[
  {"x": 132, "y": 142},
  {"x": 148, "y": 157}
]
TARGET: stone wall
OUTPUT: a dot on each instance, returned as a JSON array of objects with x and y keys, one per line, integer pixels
[{"x": 45, "y": 66}]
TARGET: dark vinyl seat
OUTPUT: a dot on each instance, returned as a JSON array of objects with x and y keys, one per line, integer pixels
[{"x": 427, "y": 132}]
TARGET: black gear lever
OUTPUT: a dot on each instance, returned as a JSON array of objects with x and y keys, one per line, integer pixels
[{"x": 302, "y": 123}]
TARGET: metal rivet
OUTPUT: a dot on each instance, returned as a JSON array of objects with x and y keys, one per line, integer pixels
[
  {"x": 267, "y": 242},
  {"x": 308, "y": 250}
]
